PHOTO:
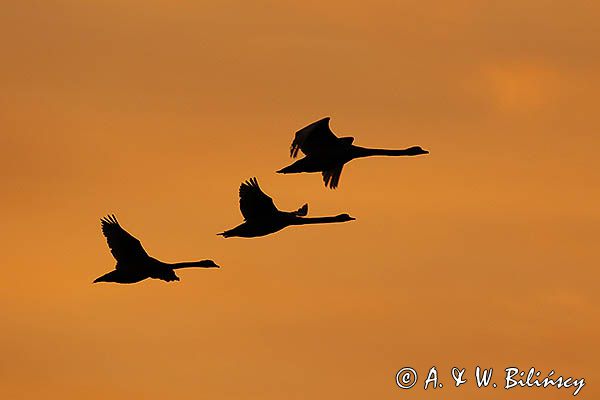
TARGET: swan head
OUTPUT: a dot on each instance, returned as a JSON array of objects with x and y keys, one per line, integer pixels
[
  {"x": 344, "y": 218},
  {"x": 416, "y": 150},
  {"x": 210, "y": 264}
]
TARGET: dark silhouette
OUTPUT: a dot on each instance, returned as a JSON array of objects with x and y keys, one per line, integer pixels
[
  {"x": 133, "y": 263},
  {"x": 326, "y": 153},
  {"x": 261, "y": 217}
]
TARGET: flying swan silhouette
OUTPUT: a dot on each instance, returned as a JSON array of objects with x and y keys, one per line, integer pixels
[
  {"x": 133, "y": 263},
  {"x": 327, "y": 153},
  {"x": 261, "y": 217}
]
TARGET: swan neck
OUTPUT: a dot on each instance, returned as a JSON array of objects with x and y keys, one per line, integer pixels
[
  {"x": 367, "y": 152},
  {"x": 314, "y": 220},
  {"x": 191, "y": 264}
]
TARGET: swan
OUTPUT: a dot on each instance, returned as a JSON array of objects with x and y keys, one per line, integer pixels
[
  {"x": 133, "y": 263},
  {"x": 327, "y": 153},
  {"x": 261, "y": 216}
]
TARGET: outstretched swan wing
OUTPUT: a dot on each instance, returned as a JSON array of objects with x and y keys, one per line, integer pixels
[
  {"x": 313, "y": 138},
  {"x": 254, "y": 203},
  {"x": 331, "y": 177},
  {"x": 124, "y": 247},
  {"x": 302, "y": 211}
]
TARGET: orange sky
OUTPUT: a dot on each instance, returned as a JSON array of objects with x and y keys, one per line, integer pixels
[{"x": 482, "y": 253}]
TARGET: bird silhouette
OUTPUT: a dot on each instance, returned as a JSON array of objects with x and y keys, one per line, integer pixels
[
  {"x": 133, "y": 263},
  {"x": 327, "y": 153},
  {"x": 261, "y": 217}
]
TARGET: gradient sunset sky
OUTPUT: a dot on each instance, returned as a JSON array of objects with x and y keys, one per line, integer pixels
[{"x": 484, "y": 252}]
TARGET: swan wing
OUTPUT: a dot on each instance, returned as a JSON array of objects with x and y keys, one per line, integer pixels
[
  {"x": 313, "y": 138},
  {"x": 331, "y": 177},
  {"x": 125, "y": 248},
  {"x": 302, "y": 211},
  {"x": 254, "y": 203}
]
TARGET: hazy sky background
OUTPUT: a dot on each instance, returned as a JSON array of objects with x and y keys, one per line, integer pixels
[{"x": 484, "y": 252}]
